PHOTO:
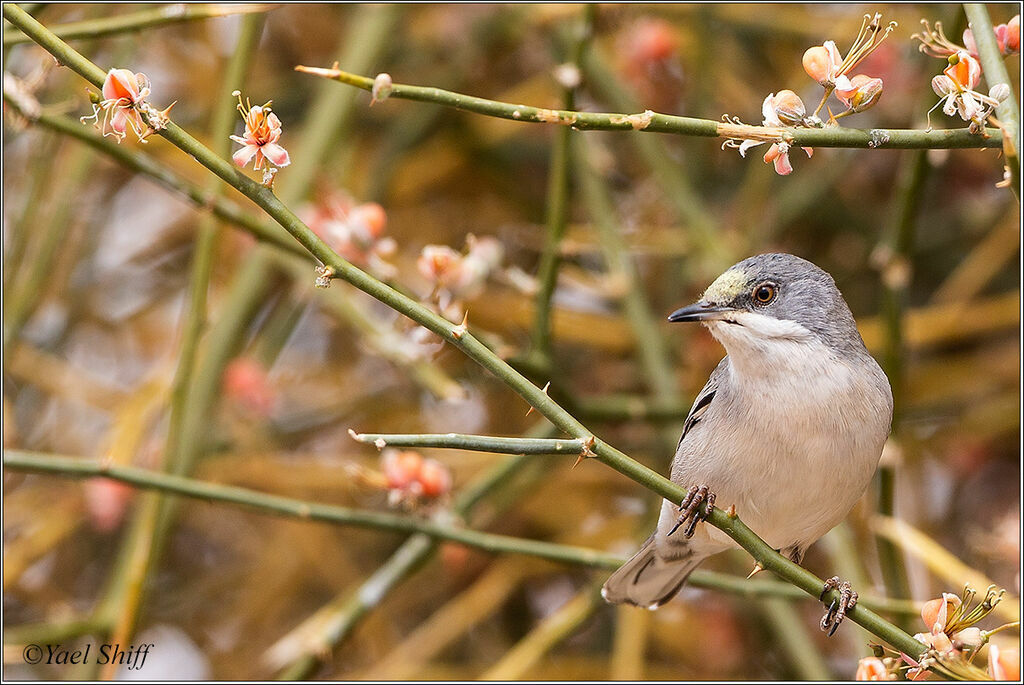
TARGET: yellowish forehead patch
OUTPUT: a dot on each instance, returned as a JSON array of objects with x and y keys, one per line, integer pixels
[{"x": 726, "y": 287}]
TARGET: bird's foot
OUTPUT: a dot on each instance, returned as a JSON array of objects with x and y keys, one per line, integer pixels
[
  {"x": 690, "y": 510},
  {"x": 837, "y": 610}
]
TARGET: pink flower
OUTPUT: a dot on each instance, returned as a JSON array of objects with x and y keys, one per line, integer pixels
[
  {"x": 246, "y": 382},
  {"x": 123, "y": 92},
  {"x": 259, "y": 142},
  {"x": 872, "y": 668},
  {"x": 408, "y": 476},
  {"x": 1007, "y": 38},
  {"x": 863, "y": 93},
  {"x": 822, "y": 63},
  {"x": 955, "y": 86},
  {"x": 354, "y": 232},
  {"x": 1003, "y": 664}
]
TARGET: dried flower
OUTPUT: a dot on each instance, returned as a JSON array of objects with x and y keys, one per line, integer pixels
[
  {"x": 872, "y": 668},
  {"x": 123, "y": 93},
  {"x": 259, "y": 141}
]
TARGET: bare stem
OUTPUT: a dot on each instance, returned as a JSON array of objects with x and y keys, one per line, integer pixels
[
  {"x": 653, "y": 122},
  {"x": 136, "y": 21},
  {"x": 75, "y": 467}
]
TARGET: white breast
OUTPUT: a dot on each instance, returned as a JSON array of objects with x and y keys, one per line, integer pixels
[{"x": 791, "y": 438}]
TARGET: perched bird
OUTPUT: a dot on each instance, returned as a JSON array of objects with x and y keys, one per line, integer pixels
[{"x": 788, "y": 429}]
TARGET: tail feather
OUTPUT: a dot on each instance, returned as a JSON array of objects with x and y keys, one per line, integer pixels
[{"x": 648, "y": 581}]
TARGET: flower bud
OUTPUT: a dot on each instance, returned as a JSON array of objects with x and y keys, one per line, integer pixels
[
  {"x": 968, "y": 639},
  {"x": 381, "y": 89},
  {"x": 401, "y": 468},
  {"x": 821, "y": 62},
  {"x": 434, "y": 478},
  {"x": 943, "y": 85},
  {"x": 871, "y": 668},
  {"x": 1003, "y": 664},
  {"x": 935, "y": 612},
  {"x": 789, "y": 108},
  {"x": 999, "y": 92},
  {"x": 1012, "y": 45}
]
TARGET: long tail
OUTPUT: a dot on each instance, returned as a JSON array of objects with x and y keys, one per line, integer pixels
[{"x": 648, "y": 581}]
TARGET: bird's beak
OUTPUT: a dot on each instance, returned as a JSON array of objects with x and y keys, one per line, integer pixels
[{"x": 700, "y": 311}]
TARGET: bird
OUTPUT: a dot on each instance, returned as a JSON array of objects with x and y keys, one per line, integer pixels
[{"x": 788, "y": 429}]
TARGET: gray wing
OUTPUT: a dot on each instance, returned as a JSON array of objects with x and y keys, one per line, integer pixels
[{"x": 704, "y": 398}]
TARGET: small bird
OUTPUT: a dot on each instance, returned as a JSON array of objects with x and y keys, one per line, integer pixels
[{"x": 788, "y": 429}]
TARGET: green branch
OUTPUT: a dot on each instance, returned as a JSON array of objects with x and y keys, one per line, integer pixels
[
  {"x": 474, "y": 443},
  {"x": 458, "y": 336},
  {"x": 74, "y": 467},
  {"x": 126, "y": 23},
  {"x": 653, "y": 122},
  {"x": 995, "y": 72}
]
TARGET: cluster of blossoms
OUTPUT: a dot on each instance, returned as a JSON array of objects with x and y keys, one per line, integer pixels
[
  {"x": 124, "y": 105},
  {"x": 410, "y": 477},
  {"x": 259, "y": 139},
  {"x": 824, "y": 64},
  {"x": 953, "y": 641},
  {"x": 354, "y": 231},
  {"x": 454, "y": 276},
  {"x": 956, "y": 84}
]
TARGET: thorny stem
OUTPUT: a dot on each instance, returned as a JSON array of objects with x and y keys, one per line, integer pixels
[
  {"x": 994, "y": 70},
  {"x": 476, "y": 350},
  {"x": 75, "y": 467},
  {"x": 653, "y": 122},
  {"x": 136, "y": 21}
]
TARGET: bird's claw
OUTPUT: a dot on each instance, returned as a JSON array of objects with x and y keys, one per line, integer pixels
[
  {"x": 690, "y": 510},
  {"x": 838, "y": 608}
]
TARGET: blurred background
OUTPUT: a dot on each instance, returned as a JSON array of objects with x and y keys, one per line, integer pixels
[{"x": 96, "y": 293}]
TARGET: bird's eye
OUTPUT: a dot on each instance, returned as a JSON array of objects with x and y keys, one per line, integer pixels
[{"x": 764, "y": 293}]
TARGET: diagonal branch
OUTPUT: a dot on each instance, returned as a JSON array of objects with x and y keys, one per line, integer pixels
[{"x": 471, "y": 346}]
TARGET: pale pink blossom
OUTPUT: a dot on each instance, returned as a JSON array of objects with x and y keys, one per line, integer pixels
[
  {"x": 872, "y": 668},
  {"x": 862, "y": 94},
  {"x": 123, "y": 93},
  {"x": 1003, "y": 664},
  {"x": 259, "y": 140},
  {"x": 1007, "y": 38},
  {"x": 822, "y": 63}
]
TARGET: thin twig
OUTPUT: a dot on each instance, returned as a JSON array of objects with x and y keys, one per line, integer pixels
[
  {"x": 136, "y": 21},
  {"x": 652, "y": 122},
  {"x": 474, "y": 443},
  {"x": 74, "y": 467}
]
